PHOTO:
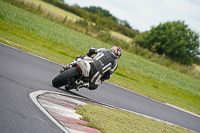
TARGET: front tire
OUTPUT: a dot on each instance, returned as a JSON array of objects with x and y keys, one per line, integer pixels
[{"x": 62, "y": 78}]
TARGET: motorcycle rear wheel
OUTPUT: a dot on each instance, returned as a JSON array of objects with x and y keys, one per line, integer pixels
[{"x": 62, "y": 78}]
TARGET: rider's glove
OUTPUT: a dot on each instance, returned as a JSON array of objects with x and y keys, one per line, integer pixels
[
  {"x": 67, "y": 67},
  {"x": 91, "y": 52},
  {"x": 89, "y": 55}
]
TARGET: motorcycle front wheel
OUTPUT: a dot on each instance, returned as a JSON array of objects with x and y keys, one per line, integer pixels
[{"x": 62, "y": 78}]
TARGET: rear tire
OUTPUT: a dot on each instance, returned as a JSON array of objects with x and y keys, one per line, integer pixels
[{"x": 62, "y": 78}]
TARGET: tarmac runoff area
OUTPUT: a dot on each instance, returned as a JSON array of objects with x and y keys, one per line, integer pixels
[{"x": 60, "y": 109}]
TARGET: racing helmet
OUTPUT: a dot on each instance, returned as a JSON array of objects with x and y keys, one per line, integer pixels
[{"x": 117, "y": 50}]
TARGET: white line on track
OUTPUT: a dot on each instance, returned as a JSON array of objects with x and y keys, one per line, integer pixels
[{"x": 166, "y": 104}]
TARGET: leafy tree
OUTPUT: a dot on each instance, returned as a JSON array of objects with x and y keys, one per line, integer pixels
[
  {"x": 105, "y": 13},
  {"x": 100, "y": 11},
  {"x": 174, "y": 39},
  {"x": 124, "y": 23},
  {"x": 61, "y": 0},
  {"x": 76, "y": 5}
]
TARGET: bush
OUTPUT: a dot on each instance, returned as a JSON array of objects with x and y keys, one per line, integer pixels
[{"x": 173, "y": 39}]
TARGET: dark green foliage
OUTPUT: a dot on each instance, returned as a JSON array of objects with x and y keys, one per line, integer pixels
[
  {"x": 197, "y": 60},
  {"x": 106, "y": 13},
  {"x": 124, "y": 23},
  {"x": 99, "y": 10},
  {"x": 61, "y": 0},
  {"x": 173, "y": 39}
]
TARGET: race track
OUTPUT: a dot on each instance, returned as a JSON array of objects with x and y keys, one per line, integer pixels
[{"x": 22, "y": 73}]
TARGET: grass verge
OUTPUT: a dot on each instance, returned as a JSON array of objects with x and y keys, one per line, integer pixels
[{"x": 110, "y": 120}]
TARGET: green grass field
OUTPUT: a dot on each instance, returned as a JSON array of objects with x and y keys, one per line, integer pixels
[
  {"x": 42, "y": 37},
  {"x": 120, "y": 36},
  {"x": 54, "y": 10}
]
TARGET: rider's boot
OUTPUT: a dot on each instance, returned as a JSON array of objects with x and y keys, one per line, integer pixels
[{"x": 92, "y": 86}]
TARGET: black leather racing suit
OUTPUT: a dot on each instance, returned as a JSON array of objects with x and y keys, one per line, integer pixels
[{"x": 104, "y": 64}]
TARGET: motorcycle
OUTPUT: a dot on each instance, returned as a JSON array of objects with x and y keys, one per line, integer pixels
[{"x": 76, "y": 77}]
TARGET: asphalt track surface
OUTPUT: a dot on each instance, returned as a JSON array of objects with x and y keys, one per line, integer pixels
[{"x": 22, "y": 73}]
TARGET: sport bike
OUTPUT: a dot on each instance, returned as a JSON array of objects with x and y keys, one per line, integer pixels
[{"x": 76, "y": 77}]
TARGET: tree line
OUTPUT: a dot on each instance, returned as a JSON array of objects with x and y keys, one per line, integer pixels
[{"x": 107, "y": 14}]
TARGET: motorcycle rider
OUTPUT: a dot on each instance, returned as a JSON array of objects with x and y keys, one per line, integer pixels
[{"x": 102, "y": 66}]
